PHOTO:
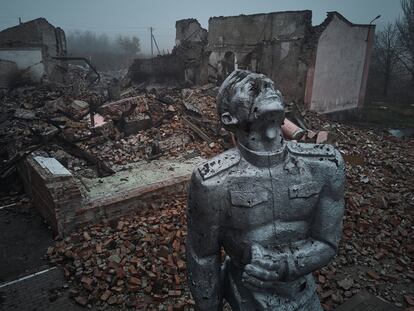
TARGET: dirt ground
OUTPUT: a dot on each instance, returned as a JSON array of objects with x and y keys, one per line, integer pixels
[{"x": 24, "y": 240}]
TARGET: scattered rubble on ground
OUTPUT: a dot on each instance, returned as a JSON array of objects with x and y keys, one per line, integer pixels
[
  {"x": 88, "y": 130},
  {"x": 138, "y": 261},
  {"x": 377, "y": 249}
]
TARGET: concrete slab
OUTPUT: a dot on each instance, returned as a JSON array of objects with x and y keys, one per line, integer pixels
[
  {"x": 67, "y": 202},
  {"x": 365, "y": 301},
  {"x": 53, "y": 166},
  {"x": 140, "y": 175},
  {"x": 133, "y": 189}
]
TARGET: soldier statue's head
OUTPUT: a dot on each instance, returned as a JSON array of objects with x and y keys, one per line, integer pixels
[{"x": 250, "y": 107}]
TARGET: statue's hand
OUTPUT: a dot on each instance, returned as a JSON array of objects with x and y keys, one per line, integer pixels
[{"x": 266, "y": 268}]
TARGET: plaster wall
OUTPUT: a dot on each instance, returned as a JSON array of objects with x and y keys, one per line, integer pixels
[
  {"x": 244, "y": 31},
  {"x": 35, "y": 35},
  {"x": 27, "y": 58},
  {"x": 271, "y": 44},
  {"x": 339, "y": 68}
]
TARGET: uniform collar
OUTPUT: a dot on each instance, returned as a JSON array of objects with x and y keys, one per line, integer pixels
[{"x": 262, "y": 158}]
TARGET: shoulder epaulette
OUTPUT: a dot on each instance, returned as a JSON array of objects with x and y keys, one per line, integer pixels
[
  {"x": 219, "y": 163},
  {"x": 312, "y": 150}
]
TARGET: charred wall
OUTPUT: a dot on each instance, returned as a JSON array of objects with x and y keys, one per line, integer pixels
[
  {"x": 186, "y": 64},
  {"x": 22, "y": 44},
  {"x": 272, "y": 44}
]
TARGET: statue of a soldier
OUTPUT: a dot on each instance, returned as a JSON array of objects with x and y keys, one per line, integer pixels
[{"x": 274, "y": 206}]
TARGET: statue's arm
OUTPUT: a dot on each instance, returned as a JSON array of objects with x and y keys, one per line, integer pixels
[
  {"x": 326, "y": 228},
  {"x": 203, "y": 244}
]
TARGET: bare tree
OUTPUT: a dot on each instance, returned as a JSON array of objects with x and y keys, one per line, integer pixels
[
  {"x": 106, "y": 52},
  {"x": 130, "y": 45},
  {"x": 405, "y": 26},
  {"x": 387, "y": 53}
]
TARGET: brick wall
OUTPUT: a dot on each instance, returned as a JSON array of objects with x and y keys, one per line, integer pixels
[{"x": 56, "y": 197}]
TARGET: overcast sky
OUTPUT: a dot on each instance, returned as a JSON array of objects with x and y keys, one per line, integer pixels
[{"x": 134, "y": 17}]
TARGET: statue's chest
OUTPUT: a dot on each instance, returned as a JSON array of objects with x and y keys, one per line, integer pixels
[{"x": 260, "y": 196}]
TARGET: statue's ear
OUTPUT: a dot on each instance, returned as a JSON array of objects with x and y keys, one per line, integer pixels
[{"x": 228, "y": 120}]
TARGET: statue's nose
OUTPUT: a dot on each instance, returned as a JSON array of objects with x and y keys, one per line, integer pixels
[{"x": 270, "y": 104}]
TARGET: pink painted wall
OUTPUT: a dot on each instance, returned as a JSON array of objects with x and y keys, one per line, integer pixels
[{"x": 341, "y": 66}]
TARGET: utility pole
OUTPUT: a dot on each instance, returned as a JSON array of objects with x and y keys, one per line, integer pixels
[
  {"x": 152, "y": 47},
  {"x": 156, "y": 44}
]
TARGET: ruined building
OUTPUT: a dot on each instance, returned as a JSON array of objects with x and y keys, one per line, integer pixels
[
  {"x": 325, "y": 66},
  {"x": 30, "y": 48},
  {"x": 186, "y": 63}
]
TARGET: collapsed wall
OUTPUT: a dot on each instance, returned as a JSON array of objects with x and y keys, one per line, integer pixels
[
  {"x": 32, "y": 46},
  {"x": 325, "y": 67},
  {"x": 184, "y": 65},
  {"x": 272, "y": 44}
]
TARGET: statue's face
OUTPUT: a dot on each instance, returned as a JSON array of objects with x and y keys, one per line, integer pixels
[{"x": 256, "y": 106}]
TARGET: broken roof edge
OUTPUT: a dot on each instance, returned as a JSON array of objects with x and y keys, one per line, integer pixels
[
  {"x": 187, "y": 20},
  {"x": 258, "y": 14},
  {"x": 36, "y": 22},
  {"x": 332, "y": 14}
]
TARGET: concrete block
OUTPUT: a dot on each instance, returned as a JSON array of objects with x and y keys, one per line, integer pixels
[
  {"x": 137, "y": 123},
  {"x": 53, "y": 166}
]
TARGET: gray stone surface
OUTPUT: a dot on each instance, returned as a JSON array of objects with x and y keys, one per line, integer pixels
[
  {"x": 139, "y": 175},
  {"x": 275, "y": 206},
  {"x": 24, "y": 240},
  {"x": 43, "y": 292}
]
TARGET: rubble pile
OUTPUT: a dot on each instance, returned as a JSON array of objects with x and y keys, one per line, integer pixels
[
  {"x": 136, "y": 262},
  {"x": 140, "y": 261},
  {"x": 88, "y": 132},
  {"x": 377, "y": 248},
  {"x": 168, "y": 134}
]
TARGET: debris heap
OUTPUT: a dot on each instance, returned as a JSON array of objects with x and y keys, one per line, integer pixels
[{"x": 139, "y": 262}]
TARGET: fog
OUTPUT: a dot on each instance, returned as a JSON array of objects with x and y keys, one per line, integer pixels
[{"x": 135, "y": 17}]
